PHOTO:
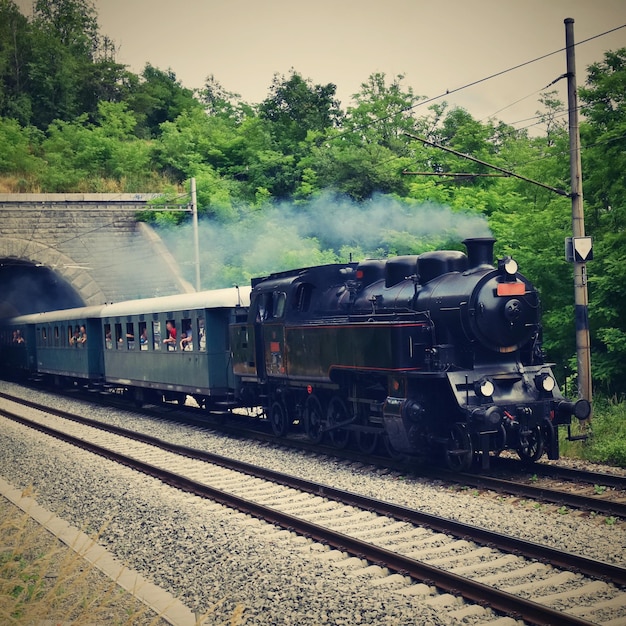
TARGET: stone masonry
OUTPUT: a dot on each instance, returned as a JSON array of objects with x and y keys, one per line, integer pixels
[{"x": 93, "y": 241}]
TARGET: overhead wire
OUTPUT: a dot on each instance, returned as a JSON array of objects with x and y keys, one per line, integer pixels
[
  {"x": 558, "y": 78},
  {"x": 484, "y": 79},
  {"x": 539, "y": 121}
]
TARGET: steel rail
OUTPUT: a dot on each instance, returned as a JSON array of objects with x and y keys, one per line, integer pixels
[
  {"x": 569, "y": 474},
  {"x": 473, "y": 591},
  {"x": 479, "y": 481},
  {"x": 537, "y": 492},
  {"x": 566, "y": 560}
]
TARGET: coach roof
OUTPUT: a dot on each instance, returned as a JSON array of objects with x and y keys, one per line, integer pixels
[{"x": 213, "y": 299}]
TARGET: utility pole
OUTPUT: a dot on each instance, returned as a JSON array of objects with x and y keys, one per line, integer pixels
[
  {"x": 196, "y": 239},
  {"x": 581, "y": 245}
]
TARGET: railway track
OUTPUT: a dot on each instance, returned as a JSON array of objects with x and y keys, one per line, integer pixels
[
  {"x": 564, "y": 487},
  {"x": 480, "y": 565}
]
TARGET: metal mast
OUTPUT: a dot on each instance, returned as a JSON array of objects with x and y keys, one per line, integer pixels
[{"x": 583, "y": 350}]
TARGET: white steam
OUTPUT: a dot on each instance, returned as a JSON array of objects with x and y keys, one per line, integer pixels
[{"x": 327, "y": 229}]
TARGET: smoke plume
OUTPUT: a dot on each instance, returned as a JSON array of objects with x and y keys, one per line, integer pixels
[{"x": 327, "y": 229}]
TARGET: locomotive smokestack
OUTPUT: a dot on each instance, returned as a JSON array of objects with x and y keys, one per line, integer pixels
[{"x": 479, "y": 251}]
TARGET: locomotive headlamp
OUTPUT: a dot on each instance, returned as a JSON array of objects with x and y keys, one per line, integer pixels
[
  {"x": 545, "y": 382},
  {"x": 508, "y": 266},
  {"x": 486, "y": 388}
]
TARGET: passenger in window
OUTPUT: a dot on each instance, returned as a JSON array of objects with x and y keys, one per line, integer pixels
[
  {"x": 186, "y": 341},
  {"x": 143, "y": 339},
  {"x": 18, "y": 337},
  {"x": 201, "y": 336},
  {"x": 108, "y": 342},
  {"x": 170, "y": 340},
  {"x": 82, "y": 335},
  {"x": 74, "y": 341}
]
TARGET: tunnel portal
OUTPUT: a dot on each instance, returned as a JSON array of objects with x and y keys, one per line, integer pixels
[
  {"x": 67, "y": 250},
  {"x": 28, "y": 287}
]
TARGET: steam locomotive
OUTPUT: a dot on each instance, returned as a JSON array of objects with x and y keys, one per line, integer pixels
[{"x": 437, "y": 354}]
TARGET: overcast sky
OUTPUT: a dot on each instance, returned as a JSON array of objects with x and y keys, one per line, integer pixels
[{"x": 439, "y": 45}]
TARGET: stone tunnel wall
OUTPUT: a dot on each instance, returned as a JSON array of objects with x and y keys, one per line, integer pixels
[{"x": 91, "y": 240}]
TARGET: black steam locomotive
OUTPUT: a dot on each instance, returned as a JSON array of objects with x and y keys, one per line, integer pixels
[
  {"x": 436, "y": 352},
  {"x": 432, "y": 354}
]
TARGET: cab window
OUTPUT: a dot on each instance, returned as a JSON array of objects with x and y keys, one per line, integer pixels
[{"x": 280, "y": 300}]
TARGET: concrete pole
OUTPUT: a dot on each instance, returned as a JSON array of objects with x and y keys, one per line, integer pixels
[
  {"x": 196, "y": 238},
  {"x": 583, "y": 349}
]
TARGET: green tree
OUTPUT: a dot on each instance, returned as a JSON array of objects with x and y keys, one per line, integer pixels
[
  {"x": 16, "y": 149},
  {"x": 603, "y": 137},
  {"x": 368, "y": 153},
  {"x": 222, "y": 103},
  {"x": 296, "y": 106},
  {"x": 383, "y": 112},
  {"x": 15, "y": 101},
  {"x": 64, "y": 41},
  {"x": 80, "y": 152},
  {"x": 73, "y": 23},
  {"x": 157, "y": 97}
]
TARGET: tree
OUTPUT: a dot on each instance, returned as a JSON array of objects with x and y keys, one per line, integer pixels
[
  {"x": 383, "y": 113},
  {"x": 15, "y": 101},
  {"x": 16, "y": 149},
  {"x": 368, "y": 153},
  {"x": 158, "y": 97},
  {"x": 64, "y": 43},
  {"x": 222, "y": 103},
  {"x": 72, "y": 22},
  {"x": 296, "y": 106},
  {"x": 603, "y": 136}
]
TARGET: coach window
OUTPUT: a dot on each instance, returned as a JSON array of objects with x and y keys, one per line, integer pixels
[
  {"x": 108, "y": 342},
  {"x": 56, "y": 336},
  {"x": 156, "y": 335},
  {"x": 44, "y": 336},
  {"x": 171, "y": 335},
  {"x": 119, "y": 340},
  {"x": 186, "y": 335},
  {"x": 143, "y": 336},
  {"x": 201, "y": 335},
  {"x": 130, "y": 336}
]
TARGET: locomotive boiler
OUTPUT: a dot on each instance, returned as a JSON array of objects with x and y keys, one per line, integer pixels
[{"x": 436, "y": 353}]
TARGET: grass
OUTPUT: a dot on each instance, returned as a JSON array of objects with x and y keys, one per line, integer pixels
[
  {"x": 607, "y": 434},
  {"x": 44, "y": 581}
]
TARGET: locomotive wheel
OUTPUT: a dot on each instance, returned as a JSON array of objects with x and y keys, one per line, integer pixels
[
  {"x": 314, "y": 419},
  {"x": 531, "y": 446},
  {"x": 459, "y": 452},
  {"x": 367, "y": 442},
  {"x": 279, "y": 419},
  {"x": 390, "y": 450},
  {"x": 337, "y": 413}
]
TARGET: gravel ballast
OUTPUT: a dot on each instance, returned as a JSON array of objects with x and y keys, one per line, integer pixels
[{"x": 214, "y": 559}]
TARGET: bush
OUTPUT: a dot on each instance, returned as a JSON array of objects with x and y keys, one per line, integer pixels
[{"x": 607, "y": 440}]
